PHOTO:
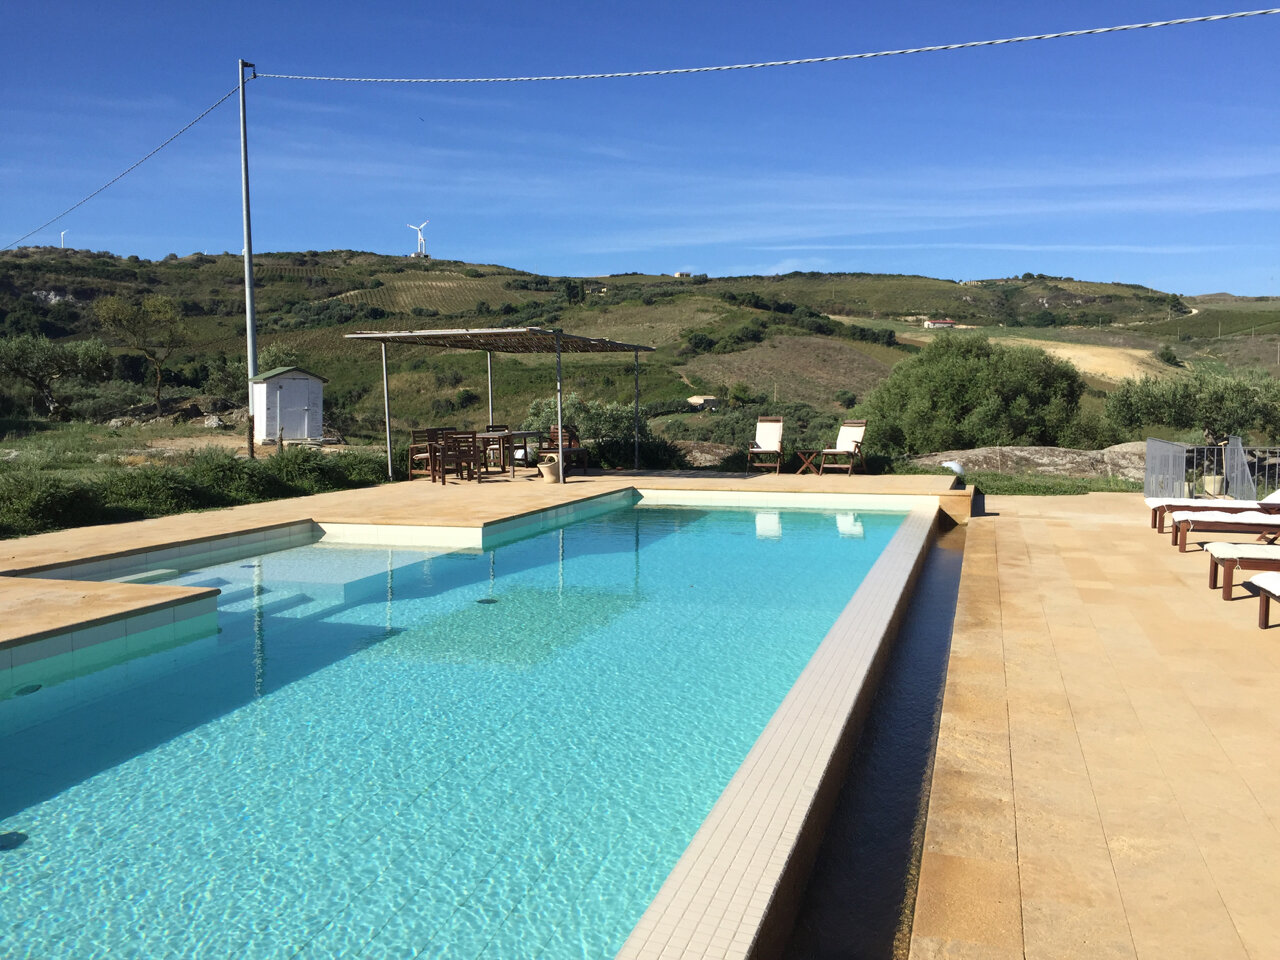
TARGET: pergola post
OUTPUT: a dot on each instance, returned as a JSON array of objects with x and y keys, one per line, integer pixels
[
  {"x": 488, "y": 363},
  {"x": 637, "y": 357},
  {"x": 386, "y": 408},
  {"x": 559, "y": 411}
]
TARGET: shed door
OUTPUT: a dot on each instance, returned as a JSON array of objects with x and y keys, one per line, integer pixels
[{"x": 294, "y": 412}]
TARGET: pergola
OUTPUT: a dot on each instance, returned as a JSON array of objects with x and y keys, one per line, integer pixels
[{"x": 507, "y": 340}]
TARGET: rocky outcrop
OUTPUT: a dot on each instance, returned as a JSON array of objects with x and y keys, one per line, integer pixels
[
  {"x": 1125, "y": 460},
  {"x": 703, "y": 454}
]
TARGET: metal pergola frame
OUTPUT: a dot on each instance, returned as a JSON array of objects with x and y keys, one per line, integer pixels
[{"x": 507, "y": 340}]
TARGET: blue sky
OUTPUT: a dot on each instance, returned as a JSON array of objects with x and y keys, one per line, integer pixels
[{"x": 1148, "y": 157}]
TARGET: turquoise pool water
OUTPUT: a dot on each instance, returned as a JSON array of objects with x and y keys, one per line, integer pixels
[{"x": 382, "y": 753}]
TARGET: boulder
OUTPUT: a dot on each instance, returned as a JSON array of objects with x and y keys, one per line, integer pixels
[
  {"x": 1125, "y": 460},
  {"x": 213, "y": 422}
]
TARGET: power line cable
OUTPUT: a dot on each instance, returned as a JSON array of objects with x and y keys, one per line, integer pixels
[
  {"x": 790, "y": 63},
  {"x": 658, "y": 73},
  {"x": 125, "y": 173}
]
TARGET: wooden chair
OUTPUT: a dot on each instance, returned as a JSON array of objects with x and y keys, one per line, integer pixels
[
  {"x": 493, "y": 448},
  {"x": 574, "y": 451},
  {"x": 847, "y": 449},
  {"x": 421, "y": 450},
  {"x": 460, "y": 452},
  {"x": 768, "y": 443}
]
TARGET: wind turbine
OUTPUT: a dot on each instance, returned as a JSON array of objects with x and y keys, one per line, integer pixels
[{"x": 422, "y": 244}]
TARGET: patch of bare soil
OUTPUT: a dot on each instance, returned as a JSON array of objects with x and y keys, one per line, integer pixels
[{"x": 1108, "y": 363}]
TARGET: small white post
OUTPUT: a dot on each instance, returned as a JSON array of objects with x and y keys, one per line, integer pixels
[{"x": 386, "y": 408}]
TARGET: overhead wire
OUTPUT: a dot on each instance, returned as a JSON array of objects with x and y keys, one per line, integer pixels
[
  {"x": 790, "y": 63},
  {"x": 232, "y": 92},
  {"x": 661, "y": 73}
]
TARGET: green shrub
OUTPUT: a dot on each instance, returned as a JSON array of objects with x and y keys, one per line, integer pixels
[
  {"x": 151, "y": 491},
  {"x": 32, "y": 502},
  {"x": 226, "y": 479},
  {"x": 655, "y": 454},
  {"x": 301, "y": 469},
  {"x": 962, "y": 391}
]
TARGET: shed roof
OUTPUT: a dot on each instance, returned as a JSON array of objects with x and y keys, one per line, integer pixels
[
  {"x": 502, "y": 340},
  {"x": 279, "y": 371}
]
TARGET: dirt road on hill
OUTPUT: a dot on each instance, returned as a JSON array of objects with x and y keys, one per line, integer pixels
[{"x": 1108, "y": 363}]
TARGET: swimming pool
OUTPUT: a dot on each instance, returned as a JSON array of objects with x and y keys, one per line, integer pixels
[{"x": 371, "y": 758}]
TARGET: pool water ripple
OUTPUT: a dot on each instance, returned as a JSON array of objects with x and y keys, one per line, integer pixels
[{"x": 365, "y": 761}]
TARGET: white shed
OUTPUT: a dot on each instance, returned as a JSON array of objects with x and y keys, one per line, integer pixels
[{"x": 288, "y": 403}]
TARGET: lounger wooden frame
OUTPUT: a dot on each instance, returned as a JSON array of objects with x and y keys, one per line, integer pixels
[
  {"x": 1158, "y": 513},
  {"x": 1267, "y": 532},
  {"x": 1229, "y": 565}
]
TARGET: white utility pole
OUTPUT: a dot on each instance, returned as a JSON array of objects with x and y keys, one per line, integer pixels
[
  {"x": 250, "y": 326},
  {"x": 62, "y": 239}
]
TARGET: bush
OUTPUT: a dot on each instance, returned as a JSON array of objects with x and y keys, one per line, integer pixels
[
  {"x": 655, "y": 454},
  {"x": 963, "y": 391},
  {"x": 151, "y": 491},
  {"x": 1166, "y": 355},
  {"x": 32, "y": 502},
  {"x": 226, "y": 479},
  {"x": 301, "y": 469}
]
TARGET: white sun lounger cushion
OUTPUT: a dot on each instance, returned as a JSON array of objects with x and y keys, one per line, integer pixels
[
  {"x": 1154, "y": 502},
  {"x": 1242, "y": 551},
  {"x": 1250, "y": 517},
  {"x": 1269, "y": 581}
]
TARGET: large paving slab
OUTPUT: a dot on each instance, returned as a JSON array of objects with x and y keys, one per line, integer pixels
[{"x": 1106, "y": 780}]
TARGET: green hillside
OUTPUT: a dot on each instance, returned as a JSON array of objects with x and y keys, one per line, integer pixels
[{"x": 771, "y": 335}]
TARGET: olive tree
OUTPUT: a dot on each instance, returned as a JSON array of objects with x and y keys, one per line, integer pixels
[
  {"x": 48, "y": 366},
  {"x": 153, "y": 327}
]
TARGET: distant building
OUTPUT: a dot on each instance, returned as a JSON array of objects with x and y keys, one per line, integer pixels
[
  {"x": 682, "y": 273},
  {"x": 704, "y": 403},
  {"x": 972, "y": 283},
  {"x": 939, "y": 324}
]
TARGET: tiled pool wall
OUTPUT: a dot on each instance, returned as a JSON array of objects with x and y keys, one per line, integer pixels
[
  {"x": 138, "y": 566},
  {"x": 735, "y": 891},
  {"x": 77, "y": 653},
  {"x": 482, "y": 537}
]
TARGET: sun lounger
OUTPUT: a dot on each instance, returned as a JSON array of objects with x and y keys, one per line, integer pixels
[
  {"x": 766, "y": 445},
  {"x": 848, "y": 448},
  {"x": 1230, "y": 557},
  {"x": 1266, "y": 525},
  {"x": 1161, "y": 506},
  {"x": 1268, "y": 586}
]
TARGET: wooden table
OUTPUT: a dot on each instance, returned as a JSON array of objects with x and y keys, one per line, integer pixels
[{"x": 806, "y": 461}]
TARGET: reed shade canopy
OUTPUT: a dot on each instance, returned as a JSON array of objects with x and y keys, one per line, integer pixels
[{"x": 507, "y": 340}]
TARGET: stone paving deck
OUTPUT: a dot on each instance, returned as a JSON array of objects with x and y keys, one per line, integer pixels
[
  {"x": 418, "y": 502},
  {"x": 1106, "y": 780}
]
